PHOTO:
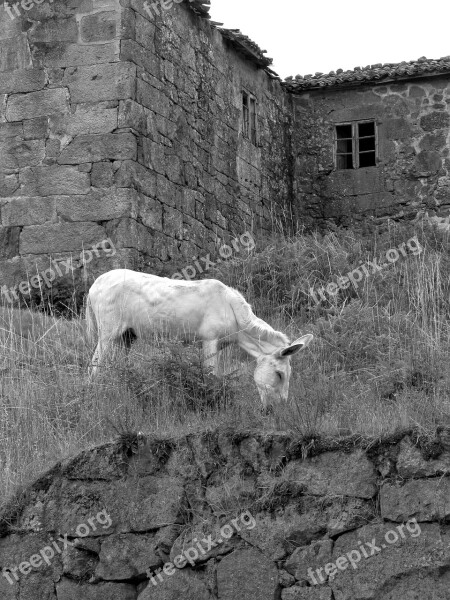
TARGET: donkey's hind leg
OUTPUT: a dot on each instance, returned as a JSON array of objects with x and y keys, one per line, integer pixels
[
  {"x": 210, "y": 356},
  {"x": 100, "y": 350}
]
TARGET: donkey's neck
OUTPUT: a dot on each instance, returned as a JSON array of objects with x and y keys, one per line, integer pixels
[{"x": 256, "y": 346}]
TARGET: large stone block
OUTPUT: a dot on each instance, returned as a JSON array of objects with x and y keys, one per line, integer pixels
[
  {"x": 207, "y": 530},
  {"x": 334, "y": 474},
  {"x": 94, "y": 148},
  {"x": 144, "y": 57},
  {"x": 15, "y": 53},
  {"x": 145, "y": 31},
  {"x": 35, "y": 128},
  {"x": 55, "y": 29},
  {"x": 128, "y": 555},
  {"x": 8, "y": 184},
  {"x": 152, "y": 98},
  {"x": 133, "y": 504},
  {"x": 309, "y": 557},
  {"x": 11, "y": 130},
  {"x": 169, "y": 193},
  {"x": 80, "y": 563},
  {"x": 36, "y": 104},
  {"x": 59, "y": 237},
  {"x": 9, "y": 242},
  {"x": 61, "y": 54},
  {"x": 246, "y": 574},
  {"x": 16, "y": 153},
  {"x": 309, "y": 519},
  {"x": 410, "y": 462},
  {"x": 172, "y": 221},
  {"x": 21, "y": 81},
  {"x": 53, "y": 181},
  {"x": 133, "y": 115},
  {"x": 150, "y": 212},
  {"x": 98, "y": 206},
  {"x": 11, "y": 270},
  {"x": 427, "y": 163},
  {"x": 86, "y": 119},
  {"x": 128, "y": 233},
  {"x": 181, "y": 584},
  {"x": 133, "y": 174},
  {"x": 16, "y": 549},
  {"x": 67, "y": 589},
  {"x": 27, "y": 211},
  {"x": 115, "y": 81},
  {"x": 36, "y": 585},
  {"x": 99, "y": 27},
  {"x": 9, "y": 27},
  {"x": 394, "y": 563},
  {"x": 154, "y": 156},
  {"x": 433, "y": 141},
  {"x": 103, "y": 462},
  {"x": 102, "y": 175},
  {"x": 435, "y": 120},
  {"x": 7, "y": 591},
  {"x": 127, "y": 25},
  {"x": 423, "y": 499}
]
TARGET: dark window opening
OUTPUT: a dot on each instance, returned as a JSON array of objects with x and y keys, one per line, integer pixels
[
  {"x": 249, "y": 117},
  {"x": 344, "y": 161},
  {"x": 356, "y": 145}
]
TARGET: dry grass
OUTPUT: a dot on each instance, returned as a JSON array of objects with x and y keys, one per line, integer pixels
[{"x": 378, "y": 362}]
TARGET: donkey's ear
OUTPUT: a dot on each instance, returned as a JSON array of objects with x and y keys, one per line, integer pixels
[{"x": 296, "y": 346}]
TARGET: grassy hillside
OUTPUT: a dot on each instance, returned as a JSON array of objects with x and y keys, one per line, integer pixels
[{"x": 379, "y": 360}]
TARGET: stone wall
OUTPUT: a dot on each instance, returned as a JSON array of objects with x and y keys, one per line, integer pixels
[
  {"x": 116, "y": 514},
  {"x": 413, "y": 172},
  {"x": 122, "y": 125}
]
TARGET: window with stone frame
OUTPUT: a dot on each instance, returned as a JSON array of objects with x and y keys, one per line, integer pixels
[
  {"x": 356, "y": 145},
  {"x": 249, "y": 120}
]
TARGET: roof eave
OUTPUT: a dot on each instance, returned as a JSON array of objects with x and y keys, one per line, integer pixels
[{"x": 291, "y": 86}]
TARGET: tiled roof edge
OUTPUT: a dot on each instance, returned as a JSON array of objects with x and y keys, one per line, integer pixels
[
  {"x": 370, "y": 74},
  {"x": 241, "y": 42}
]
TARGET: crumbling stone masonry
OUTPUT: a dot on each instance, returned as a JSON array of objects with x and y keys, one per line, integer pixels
[{"x": 119, "y": 123}]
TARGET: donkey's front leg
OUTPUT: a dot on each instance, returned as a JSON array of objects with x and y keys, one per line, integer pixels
[{"x": 210, "y": 356}]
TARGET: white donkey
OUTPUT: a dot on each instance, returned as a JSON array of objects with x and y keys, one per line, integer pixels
[{"x": 126, "y": 305}]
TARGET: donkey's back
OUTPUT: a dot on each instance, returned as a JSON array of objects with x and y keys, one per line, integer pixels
[{"x": 124, "y": 300}]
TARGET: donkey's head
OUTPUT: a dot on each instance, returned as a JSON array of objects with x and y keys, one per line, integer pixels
[{"x": 273, "y": 371}]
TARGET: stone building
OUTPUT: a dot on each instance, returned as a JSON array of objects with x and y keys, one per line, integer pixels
[
  {"x": 149, "y": 125},
  {"x": 372, "y": 142}
]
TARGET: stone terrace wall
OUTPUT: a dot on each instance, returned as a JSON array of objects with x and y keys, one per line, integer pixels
[
  {"x": 310, "y": 503},
  {"x": 116, "y": 124},
  {"x": 413, "y": 174}
]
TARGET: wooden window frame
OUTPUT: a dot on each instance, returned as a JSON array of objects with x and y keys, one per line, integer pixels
[
  {"x": 355, "y": 144},
  {"x": 249, "y": 117}
]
